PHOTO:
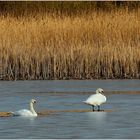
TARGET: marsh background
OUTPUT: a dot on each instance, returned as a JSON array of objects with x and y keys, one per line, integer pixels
[
  {"x": 69, "y": 40},
  {"x": 43, "y": 41}
]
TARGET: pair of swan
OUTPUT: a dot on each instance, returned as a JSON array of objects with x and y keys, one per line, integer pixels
[{"x": 94, "y": 100}]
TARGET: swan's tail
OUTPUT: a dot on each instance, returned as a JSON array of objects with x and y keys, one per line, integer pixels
[
  {"x": 85, "y": 102},
  {"x": 13, "y": 113}
]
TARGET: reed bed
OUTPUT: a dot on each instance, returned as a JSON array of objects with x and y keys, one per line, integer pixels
[{"x": 99, "y": 45}]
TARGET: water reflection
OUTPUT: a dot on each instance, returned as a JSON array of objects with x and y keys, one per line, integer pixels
[
  {"x": 76, "y": 121},
  {"x": 97, "y": 117},
  {"x": 30, "y": 120}
]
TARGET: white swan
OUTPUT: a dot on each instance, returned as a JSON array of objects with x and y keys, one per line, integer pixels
[
  {"x": 26, "y": 112},
  {"x": 96, "y": 99}
]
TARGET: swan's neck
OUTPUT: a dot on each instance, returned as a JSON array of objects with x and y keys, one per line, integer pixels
[
  {"x": 97, "y": 92},
  {"x": 101, "y": 94},
  {"x": 32, "y": 108}
]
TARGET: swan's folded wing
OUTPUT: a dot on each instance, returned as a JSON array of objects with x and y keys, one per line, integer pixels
[
  {"x": 91, "y": 99},
  {"x": 23, "y": 112}
]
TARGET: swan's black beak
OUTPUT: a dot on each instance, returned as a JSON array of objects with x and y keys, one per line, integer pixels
[{"x": 101, "y": 92}]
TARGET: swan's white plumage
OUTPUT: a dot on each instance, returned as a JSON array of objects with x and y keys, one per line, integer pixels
[
  {"x": 26, "y": 112},
  {"x": 96, "y": 99}
]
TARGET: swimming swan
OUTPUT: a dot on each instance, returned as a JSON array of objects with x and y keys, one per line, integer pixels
[
  {"x": 26, "y": 112},
  {"x": 96, "y": 99}
]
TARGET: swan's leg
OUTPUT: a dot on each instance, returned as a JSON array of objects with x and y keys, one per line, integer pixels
[
  {"x": 98, "y": 108},
  {"x": 93, "y": 107}
]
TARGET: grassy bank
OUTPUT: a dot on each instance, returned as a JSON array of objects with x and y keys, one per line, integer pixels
[{"x": 88, "y": 46}]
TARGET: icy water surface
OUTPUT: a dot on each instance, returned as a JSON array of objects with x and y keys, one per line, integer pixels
[{"x": 123, "y": 99}]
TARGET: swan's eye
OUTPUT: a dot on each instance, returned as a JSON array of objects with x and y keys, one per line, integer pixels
[{"x": 34, "y": 101}]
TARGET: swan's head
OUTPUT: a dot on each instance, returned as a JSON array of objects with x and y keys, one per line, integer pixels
[
  {"x": 33, "y": 101},
  {"x": 100, "y": 90}
]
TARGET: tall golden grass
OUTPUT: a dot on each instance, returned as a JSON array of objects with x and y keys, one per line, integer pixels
[{"x": 89, "y": 46}]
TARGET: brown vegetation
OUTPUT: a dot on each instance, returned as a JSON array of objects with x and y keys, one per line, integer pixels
[
  {"x": 5, "y": 114},
  {"x": 88, "y": 46},
  {"x": 50, "y": 112}
]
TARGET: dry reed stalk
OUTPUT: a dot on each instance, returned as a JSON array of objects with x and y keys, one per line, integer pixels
[{"x": 99, "y": 45}]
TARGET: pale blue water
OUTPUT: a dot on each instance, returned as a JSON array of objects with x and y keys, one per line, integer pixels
[{"x": 122, "y": 122}]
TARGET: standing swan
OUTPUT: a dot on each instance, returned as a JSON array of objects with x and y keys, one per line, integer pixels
[
  {"x": 26, "y": 112},
  {"x": 96, "y": 99}
]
